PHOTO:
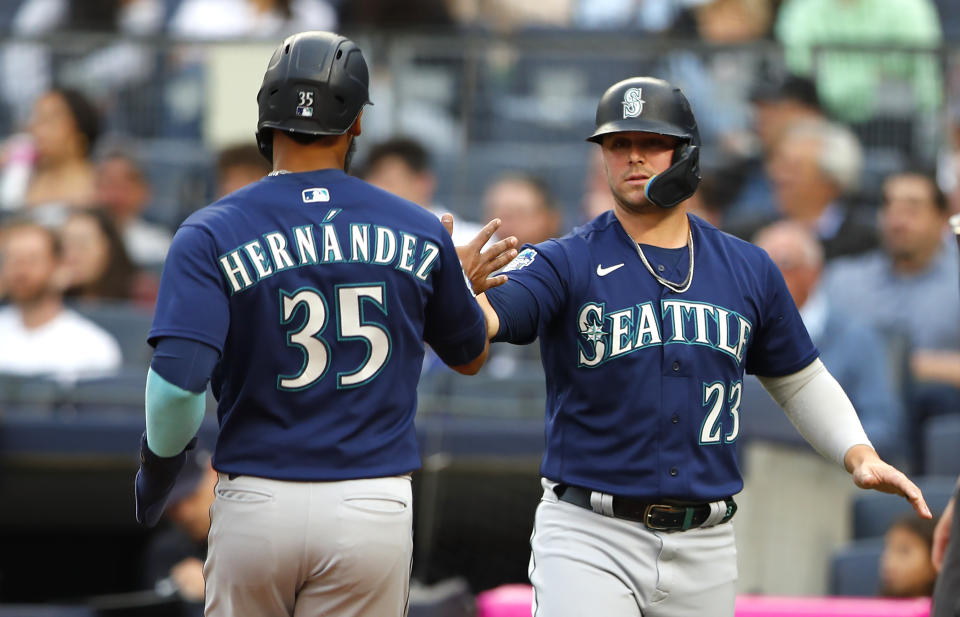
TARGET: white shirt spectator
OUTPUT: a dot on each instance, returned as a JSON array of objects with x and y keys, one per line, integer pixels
[
  {"x": 66, "y": 348},
  {"x": 146, "y": 242},
  {"x": 220, "y": 19}
]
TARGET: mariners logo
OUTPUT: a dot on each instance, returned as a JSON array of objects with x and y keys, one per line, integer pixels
[
  {"x": 632, "y": 103},
  {"x": 524, "y": 259}
]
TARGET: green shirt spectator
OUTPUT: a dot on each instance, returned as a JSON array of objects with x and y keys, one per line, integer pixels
[{"x": 858, "y": 85}]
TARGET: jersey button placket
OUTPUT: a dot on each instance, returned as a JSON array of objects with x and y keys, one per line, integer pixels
[
  {"x": 676, "y": 367},
  {"x": 675, "y": 419},
  {"x": 674, "y": 471}
]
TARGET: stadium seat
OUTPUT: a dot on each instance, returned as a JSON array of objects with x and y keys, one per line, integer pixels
[
  {"x": 128, "y": 323},
  {"x": 855, "y": 568},
  {"x": 874, "y": 512},
  {"x": 449, "y": 598},
  {"x": 121, "y": 393},
  {"x": 941, "y": 435}
]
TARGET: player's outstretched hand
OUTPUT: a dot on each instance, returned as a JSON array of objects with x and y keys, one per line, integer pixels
[
  {"x": 479, "y": 264},
  {"x": 941, "y": 535},
  {"x": 869, "y": 471}
]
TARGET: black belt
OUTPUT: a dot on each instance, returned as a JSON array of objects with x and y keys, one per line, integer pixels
[{"x": 656, "y": 516}]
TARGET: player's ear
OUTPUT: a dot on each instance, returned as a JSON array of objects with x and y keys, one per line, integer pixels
[{"x": 356, "y": 128}]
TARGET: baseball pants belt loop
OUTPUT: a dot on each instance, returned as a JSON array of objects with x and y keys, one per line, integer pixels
[{"x": 655, "y": 516}]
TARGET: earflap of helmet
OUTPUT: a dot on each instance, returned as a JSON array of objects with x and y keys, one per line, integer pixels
[
  {"x": 264, "y": 139},
  {"x": 679, "y": 181}
]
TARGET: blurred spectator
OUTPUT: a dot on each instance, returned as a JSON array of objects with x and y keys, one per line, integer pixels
[
  {"x": 910, "y": 286},
  {"x": 906, "y": 568},
  {"x": 174, "y": 556},
  {"x": 238, "y": 166},
  {"x": 715, "y": 83},
  {"x": 402, "y": 166},
  {"x": 218, "y": 19},
  {"x": 597, "y": 197},
  {"x": 779, "y": 101},
  {"x": 53, "y": 167},
  {"x": 525, "y": 207},
  {"x": 509, "y": 15},
  {"x": 97, "y": 266},
  {"x": 124, "y": 192},
  {"x": 853, "y": 353},
  {"x": 27, "y": 69},
  {"x": 38, "y": 335},
  {"x": 812, "y": 166},
  {"x": 395, "y": 15},
  {"x": 856, "y": 86},
  {"x": 644, "y": 15}
]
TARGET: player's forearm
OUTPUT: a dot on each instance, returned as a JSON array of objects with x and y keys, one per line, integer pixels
[
  {"x": 173, "y": 414},
  {"x": 489, "y": 315},
  {"x": 936, "y": 366},
  {"x": 817, "y": 405}
]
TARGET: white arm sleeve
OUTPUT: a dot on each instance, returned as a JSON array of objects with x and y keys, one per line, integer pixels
[{"x": 819, "y": 408}]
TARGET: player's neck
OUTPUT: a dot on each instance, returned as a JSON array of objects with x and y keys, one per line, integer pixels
[
  {"x": 294, "y": 157},
  {"x": 667, "y": 228},
  {"x": 307, "y": 161}
]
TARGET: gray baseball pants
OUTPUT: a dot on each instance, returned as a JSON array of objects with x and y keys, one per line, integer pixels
[
  {"x": 301, "y": 549},
  {"x": 585, "y": 564}
]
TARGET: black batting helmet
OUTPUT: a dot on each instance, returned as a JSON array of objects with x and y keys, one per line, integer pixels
[
  {"x": 652, "y": 105},
  {"x": 316, "y": 84}
]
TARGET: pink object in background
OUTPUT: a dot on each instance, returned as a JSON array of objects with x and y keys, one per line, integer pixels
[
  {"x": 515, "y": 601},
  {"x": 775, "y": 606},
  {"x": 505, "y": 601}
]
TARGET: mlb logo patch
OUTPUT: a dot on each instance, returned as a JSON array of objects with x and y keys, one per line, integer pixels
[
  {"x": 317, "y": 195},
  {"x": 305, "y": 112}
]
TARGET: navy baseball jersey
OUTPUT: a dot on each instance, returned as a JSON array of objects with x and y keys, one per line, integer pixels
[
  {"x": 644, "y": 384},
  {"x": 318, "y": 290}
]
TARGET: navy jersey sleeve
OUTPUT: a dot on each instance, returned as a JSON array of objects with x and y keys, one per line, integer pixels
[
  {"x": 192, "y": 302},
  {"x": 454, "y": 325},
  {"x": 780, "y": 345},
  {"x": 533, "y": 294}
]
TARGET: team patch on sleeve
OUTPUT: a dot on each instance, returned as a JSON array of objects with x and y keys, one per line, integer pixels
[{"x": 524, "y": 259}]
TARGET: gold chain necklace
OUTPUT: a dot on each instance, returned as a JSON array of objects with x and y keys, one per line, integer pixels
[{"x": 685, "y": 285}]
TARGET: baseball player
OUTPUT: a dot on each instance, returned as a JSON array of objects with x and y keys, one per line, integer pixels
[
  {"x": 647, "y": 318},
  {"x": 306, "y": 298}
]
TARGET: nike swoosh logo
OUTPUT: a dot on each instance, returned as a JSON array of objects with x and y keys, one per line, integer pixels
[{"x": 601, "y": 271}]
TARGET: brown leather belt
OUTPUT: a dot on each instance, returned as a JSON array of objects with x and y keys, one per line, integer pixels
[{"x": 656, "y": 516}]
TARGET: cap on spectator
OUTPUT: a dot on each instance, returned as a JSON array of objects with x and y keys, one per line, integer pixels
[{"x": 786, "y": 88}]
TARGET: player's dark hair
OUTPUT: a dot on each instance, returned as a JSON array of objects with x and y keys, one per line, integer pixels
[
  {"x": 242, "y": 155},
  {"x": 936, "y": 193},
  {"x": 85, "y": 115},
  {"x": 27, "y": 222},
  {"x": 407, "y": 149},
  {"x": 116, "y": 281}
]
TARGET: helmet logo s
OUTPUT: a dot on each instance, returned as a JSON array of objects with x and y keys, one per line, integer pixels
[
  {"x": 632, "y": 103},
  {"x": 305, "y": 103}
]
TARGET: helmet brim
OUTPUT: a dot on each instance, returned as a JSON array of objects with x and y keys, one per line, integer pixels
[{"x": 635, "y": 125}]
